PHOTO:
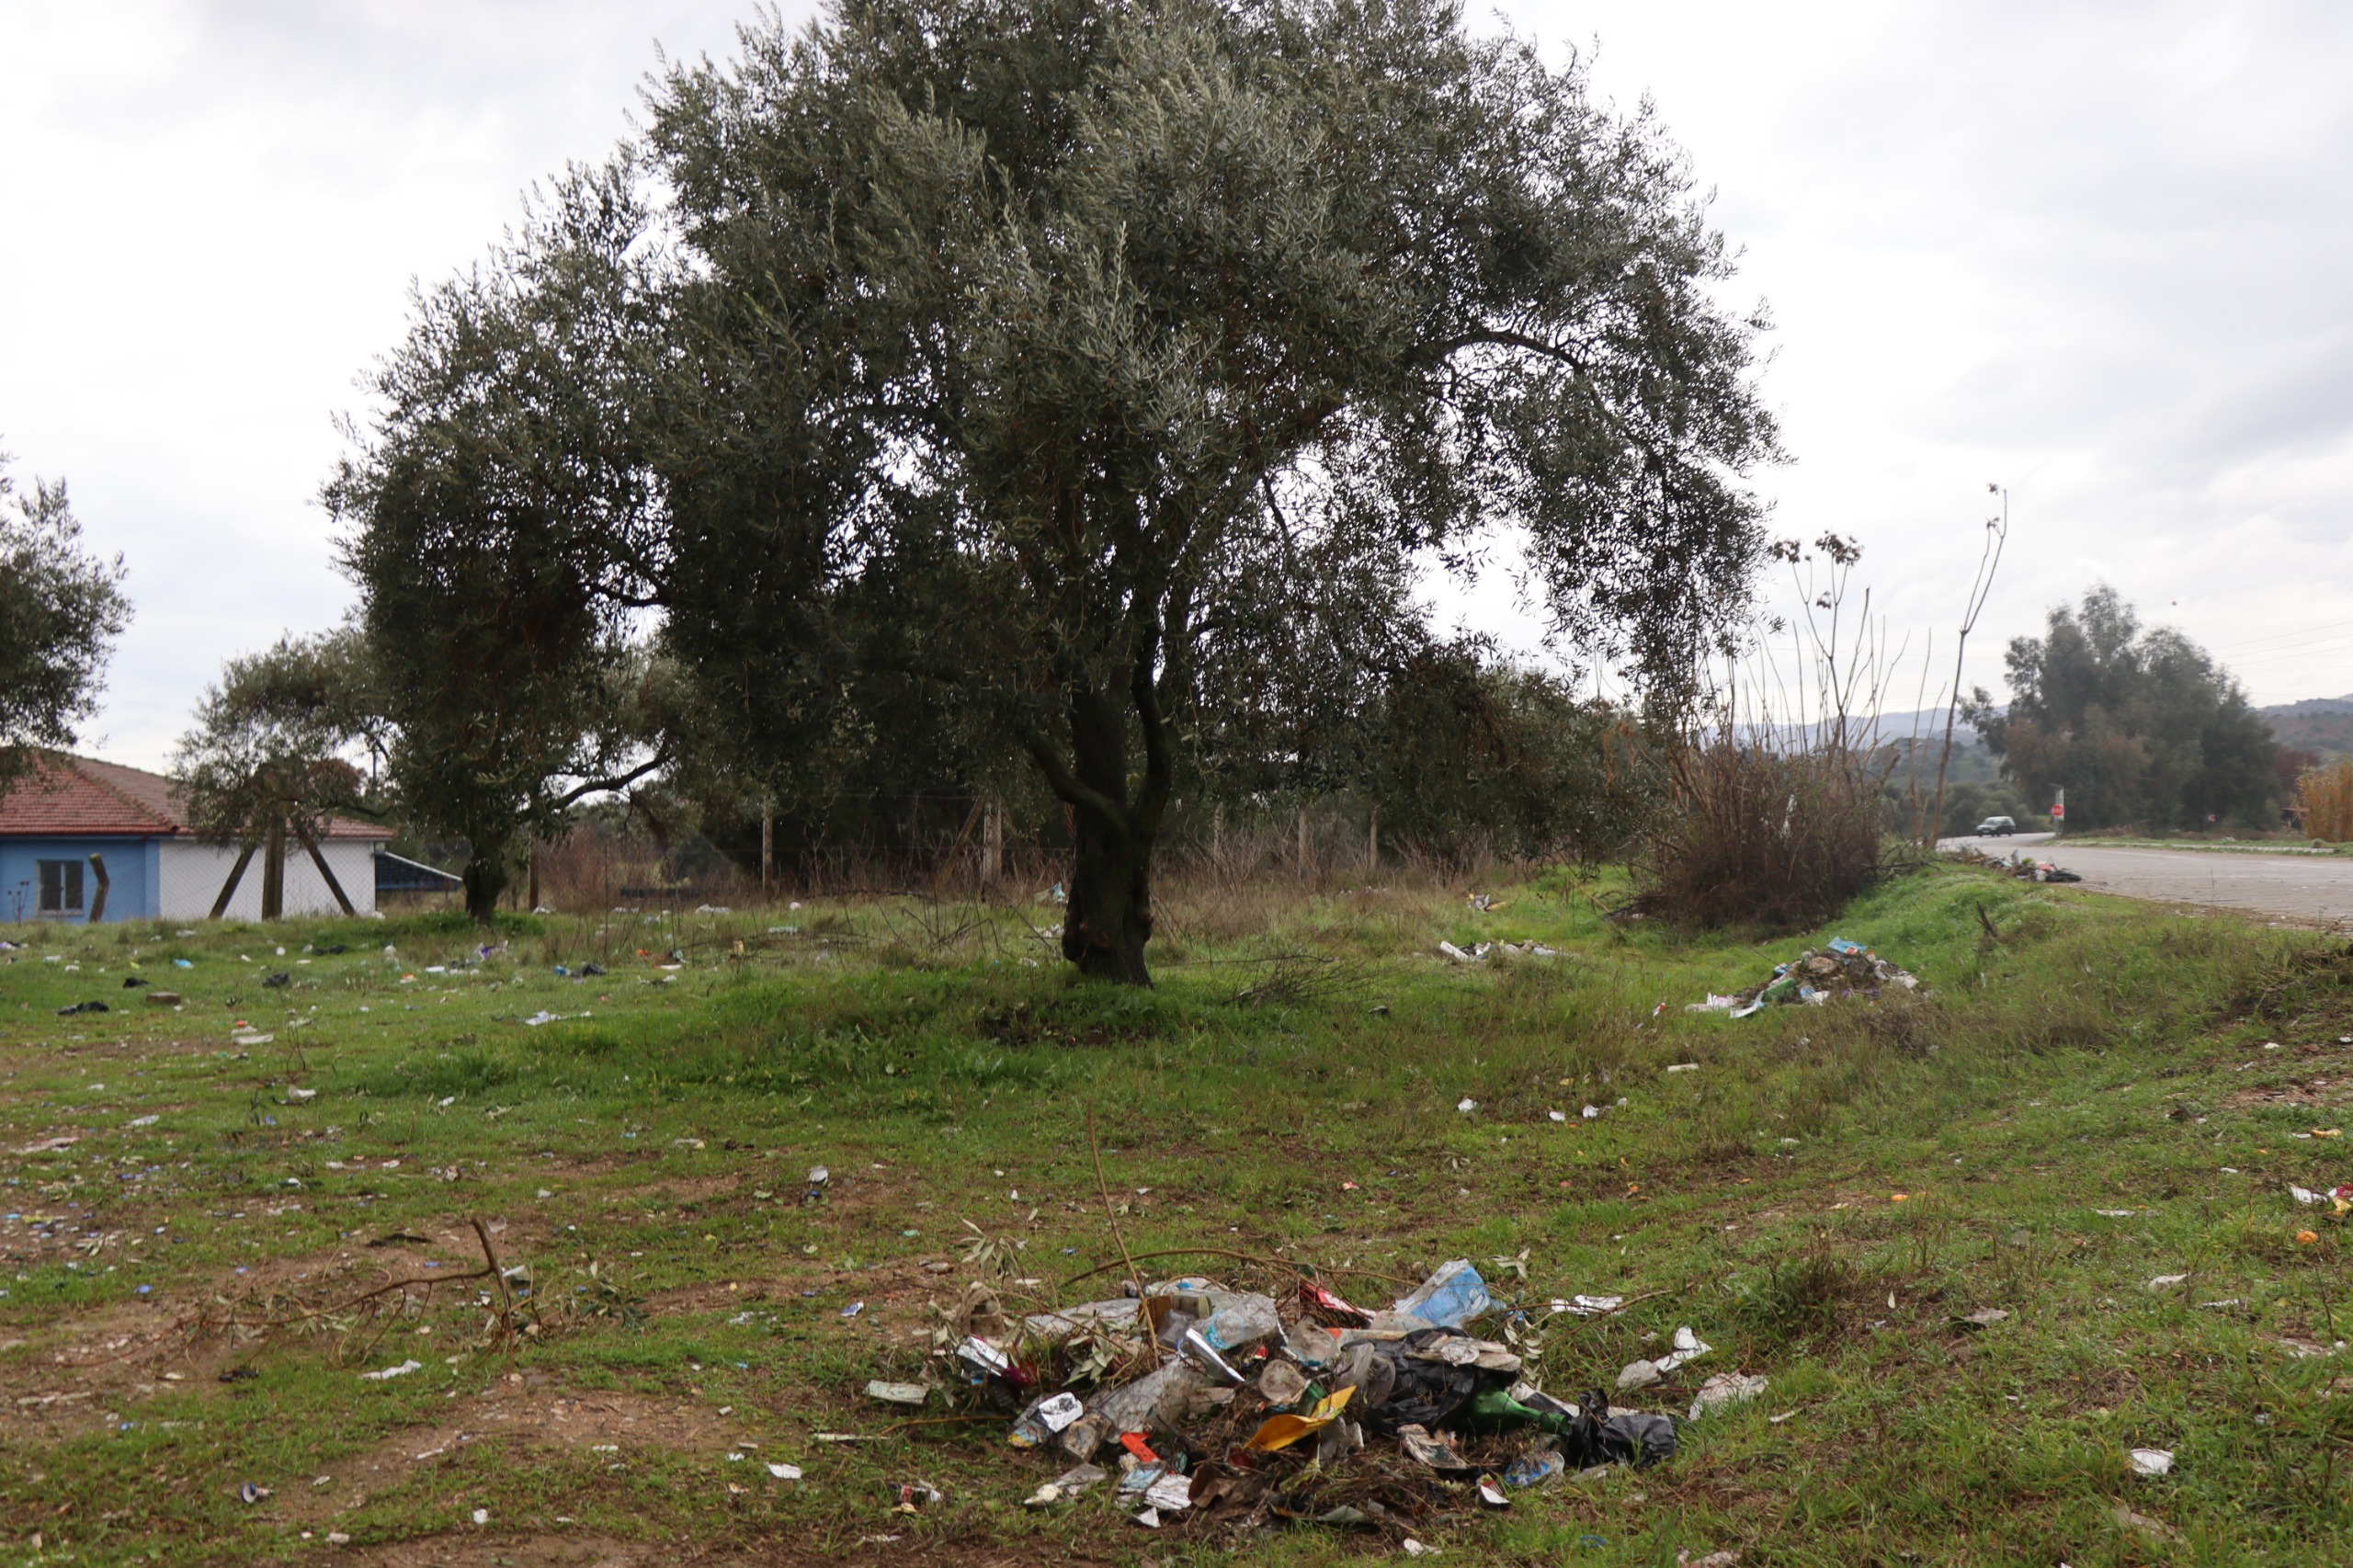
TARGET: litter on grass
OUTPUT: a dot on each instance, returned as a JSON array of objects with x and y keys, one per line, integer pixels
[
  {"x": 1842, "y": 968},
  {"x": 388, "y": 1373},
  {"x": 2152, "y": 1462},
  {"x": 1213, "y": 1410}
]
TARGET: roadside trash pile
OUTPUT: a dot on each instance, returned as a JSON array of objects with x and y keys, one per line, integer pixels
[
  {"x": 2018, "y": 864},
  {"x": 1841, "y": 969},
  {"x": 1193, "y": 1406}
]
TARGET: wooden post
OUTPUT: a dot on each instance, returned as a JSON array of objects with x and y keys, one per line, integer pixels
[
  {"x": 768, "y": 844},
  {"x": 1303, "y": 843},
  {"x": 98, "y": 905},
  {"x": 992, "y": 845},
  {"x": 236, "y": 875},
  {"x": 1373, "y": 842},
  {"x": 326, "y": 874},
  {"x": 273, "y": 871},
  {"x": 532, "y": 858}
]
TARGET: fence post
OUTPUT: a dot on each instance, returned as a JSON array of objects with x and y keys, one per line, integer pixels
[
  {"x": 1373, "y": 842},
  {"x": 991, "y": 844}
]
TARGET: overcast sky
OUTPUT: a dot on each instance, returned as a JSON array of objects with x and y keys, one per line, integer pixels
[{"x": 2096, "y": 252}]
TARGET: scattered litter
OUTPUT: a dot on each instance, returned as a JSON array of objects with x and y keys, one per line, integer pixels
[
  {"x": 910, "y": 1395},
  {"x": 299, "y": 1095},
  {"x": 853, "y": 1309},
  {"x": 785, "y": 1472},
  {"x": 1684, "y": 1067},
  {"x": 2152, "y": 1462},
  {"x": 1589, "y": 1306},
  {"x": 1449, "y": 1298},
  {"x": 916, "y": 1495},
  {"x": 1688, "y": 1346},
  {"x": 482, "y": 1516},
  {"x": 1983, "y": 1317},
  {"x": 1413, "y": 1548},
  {"x": 388, "y": 1373},
  {"x": 250, "y": 1493},
  {"x": 82, "y": 1007},
  {"x": 1723, "y": 1388},
  {"x": 1066, "y": 1486},
  {"x": 2166, "y": 1282},
  {"x": 1477, "y": 954}
]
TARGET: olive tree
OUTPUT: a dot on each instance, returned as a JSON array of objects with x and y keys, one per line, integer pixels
[
  {"x": 61, "y": 610},
  {"x": 1029, "y": 367},
  {"x": 1002, "y": 333}
]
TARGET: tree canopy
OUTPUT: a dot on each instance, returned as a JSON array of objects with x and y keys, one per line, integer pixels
[
  {"x": 61, "y": 610},
  {"x": 267, "y": 756},
  {"x": 1034, "y": 368},
  {"x": 2138, "y": 726}
]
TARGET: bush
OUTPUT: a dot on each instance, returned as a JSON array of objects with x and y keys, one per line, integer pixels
[{"x": 1752, "y": 835}]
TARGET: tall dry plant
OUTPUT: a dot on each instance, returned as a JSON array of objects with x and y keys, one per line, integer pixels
[
  {"x": 1771, "y": 814},
  {"x": 2326, "y": 797}
]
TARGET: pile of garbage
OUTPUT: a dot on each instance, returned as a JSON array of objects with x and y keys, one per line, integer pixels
[
  {"x": 1841, "y": 969},
  {"x": 1217, "y": 1411},
  {"x": 2018, "y": 864}
]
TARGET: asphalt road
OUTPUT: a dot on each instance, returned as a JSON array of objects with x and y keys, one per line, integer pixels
[{"x": 2308, "y": 889}]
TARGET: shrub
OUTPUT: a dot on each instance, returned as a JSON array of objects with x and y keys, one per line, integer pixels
[{"x": 1751, "y": 834}]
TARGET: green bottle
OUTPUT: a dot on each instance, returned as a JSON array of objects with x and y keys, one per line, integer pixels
[{"x": 1495, "y": 1410}]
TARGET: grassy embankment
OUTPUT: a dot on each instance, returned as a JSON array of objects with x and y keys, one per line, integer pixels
[{"x": 2094, "y": 1056}]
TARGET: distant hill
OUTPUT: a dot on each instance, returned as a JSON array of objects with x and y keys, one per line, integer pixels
[
  {"x": 2323, "y": 724},
  {"x": 2309, "y": 705}
]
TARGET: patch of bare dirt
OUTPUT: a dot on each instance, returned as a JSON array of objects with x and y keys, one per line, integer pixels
[
  {"x": 2315, "y": 1092},
  {"x": 532, "y": 1411},
  {"x": 597, "y": 1551},
  {"x": 533, "y": 1551}
]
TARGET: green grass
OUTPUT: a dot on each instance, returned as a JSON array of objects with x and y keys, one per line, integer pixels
[{"x": 2097, "y": 1055}]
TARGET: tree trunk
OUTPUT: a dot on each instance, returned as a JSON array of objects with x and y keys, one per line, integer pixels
[
  {"x": 1114, "y": 827},
  {"x": 1109, "y": 916},
  {"x": 273, "y": 871},
  {"x": 485, "y": 877}
]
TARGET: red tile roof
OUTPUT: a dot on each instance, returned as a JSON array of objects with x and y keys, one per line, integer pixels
[{"x": 80, "y": 797}]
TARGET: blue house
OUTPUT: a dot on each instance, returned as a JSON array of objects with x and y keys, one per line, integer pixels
[{"x": 83, "y": 840}]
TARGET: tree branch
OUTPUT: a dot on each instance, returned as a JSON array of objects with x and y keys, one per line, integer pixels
[
  {"x": 1065, "y": 783},
  {"x": 601, "y": 786}
]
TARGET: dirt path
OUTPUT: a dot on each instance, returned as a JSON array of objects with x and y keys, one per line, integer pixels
[{"x": 2308, "y": 889}]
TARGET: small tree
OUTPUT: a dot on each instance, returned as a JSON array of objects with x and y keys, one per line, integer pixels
[
  {"x": 268, "y": 756},
  {"x": 61, "y": 610},
  {"x": 494, "y": 519}
]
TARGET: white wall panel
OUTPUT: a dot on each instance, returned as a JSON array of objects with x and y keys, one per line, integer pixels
[{"x": 193, "y": 872}]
